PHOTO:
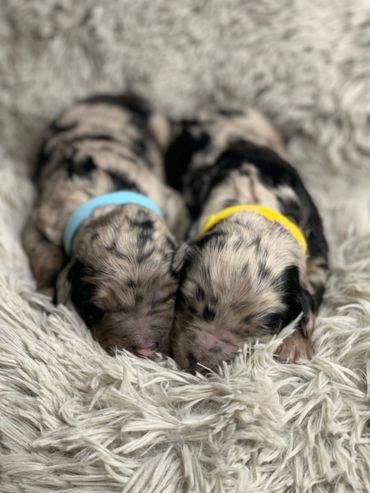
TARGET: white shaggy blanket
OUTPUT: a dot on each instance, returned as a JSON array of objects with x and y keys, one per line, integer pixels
[{"x": 73, "y": 419}]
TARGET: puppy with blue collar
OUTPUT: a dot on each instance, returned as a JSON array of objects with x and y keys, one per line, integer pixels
[
  {"x": 256, "y": 258},
  {"x": 103, "y": 232}
]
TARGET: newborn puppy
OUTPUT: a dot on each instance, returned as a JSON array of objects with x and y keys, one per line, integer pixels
[
  {"x": 256, "y": 257},
  {"x": 119, "y": 276}
]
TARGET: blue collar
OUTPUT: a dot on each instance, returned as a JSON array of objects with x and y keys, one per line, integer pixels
[{"x": 85, "y": 210}]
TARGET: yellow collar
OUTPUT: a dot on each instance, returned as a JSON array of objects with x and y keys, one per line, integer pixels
[{"x": 269, "y": 214}]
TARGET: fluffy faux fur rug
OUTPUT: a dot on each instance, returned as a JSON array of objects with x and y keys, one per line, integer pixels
[{"x": 73, "y": 419}]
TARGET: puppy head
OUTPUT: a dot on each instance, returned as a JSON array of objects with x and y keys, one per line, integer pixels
[
  {"x": 238, "y": 282},
  {"x": 121, "y": 282}
]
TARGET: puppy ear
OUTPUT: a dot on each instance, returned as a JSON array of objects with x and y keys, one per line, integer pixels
[{"x": 63, "y": 286}]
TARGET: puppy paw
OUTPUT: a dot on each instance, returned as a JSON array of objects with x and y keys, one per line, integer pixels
[{"x": 295, "y": 348}]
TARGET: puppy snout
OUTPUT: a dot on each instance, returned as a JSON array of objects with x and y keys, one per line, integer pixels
[
  {"x": 207, "y": 354},
  {"x": 214, "y": 344},
  {"x": 147, "y": 352}
]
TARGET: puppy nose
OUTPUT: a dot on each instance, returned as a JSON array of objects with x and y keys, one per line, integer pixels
[
  {"x": 145, "y": 352},
  {"x": 213, "y": 343}
]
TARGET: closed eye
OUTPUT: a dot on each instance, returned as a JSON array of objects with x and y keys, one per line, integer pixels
[
  {"x": 273, "y": 322},
  {"x": 192, "y": 310},
  {"x": 184, "y": 306},
  {"x": 92, "y": 313}
]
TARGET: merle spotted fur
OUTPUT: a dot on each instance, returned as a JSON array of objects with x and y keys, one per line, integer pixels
[
  {"x": 120, "y": 277},
  {"x": 247, "y": 278}
]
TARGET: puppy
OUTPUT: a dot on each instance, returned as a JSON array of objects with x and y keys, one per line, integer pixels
[
  {"x": 257, "y": 257},
  {"x": 119, "y": 274}
]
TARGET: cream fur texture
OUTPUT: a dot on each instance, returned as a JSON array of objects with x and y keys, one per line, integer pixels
[{"x": 73, "y": 419}]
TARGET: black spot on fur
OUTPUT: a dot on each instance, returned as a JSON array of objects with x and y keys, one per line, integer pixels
[
  {"x": 319, "y": 290},
  {"x": 273, "y": 171},
  {"x": 290, "y": 208},
  {"x": 307, "y": 302},
  {"x": 175, "y": 274},
  {"x": 131, "y": 284},
  {"x": 256, "y": 243},
  {"x": 179, "y": 300},
  {"x": 142, "y": 224},
  {"x": 200, "y": 294},
  {"x": 78, "y": 167},
  {"x": 87, "y": 166},
  {"x": 148, "y": 224},
  {"x": 82, "y": 293},
  {"x": 181, "y": 150},
  {"x": 140, "y": 147},
  {"x": 216, "y": 240},
  {"x": 144, "y": 237},
  {"x": 291, "y": 293},
  {"x": 209, "y": 314},
  {"x": 229, "y": 203},
  {"x": 57, "y": 128},
  {"x": 192, "y": 310},
  {"x": 317, "y": 244},
  {"x": 238, "y": 244},
  {"x": 113, "y": 249},
  {"x": 264, "y": 272},
  {"x": 130, "y": 102},
  {"x": 121, "y": 182}
]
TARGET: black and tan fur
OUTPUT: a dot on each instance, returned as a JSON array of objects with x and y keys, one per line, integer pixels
[
  {"x": 247, "y": 277},
  {"x": 120, "y": 277}
]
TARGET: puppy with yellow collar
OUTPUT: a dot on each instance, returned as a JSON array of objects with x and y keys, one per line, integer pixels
[{"x": 256, "y": 258}]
